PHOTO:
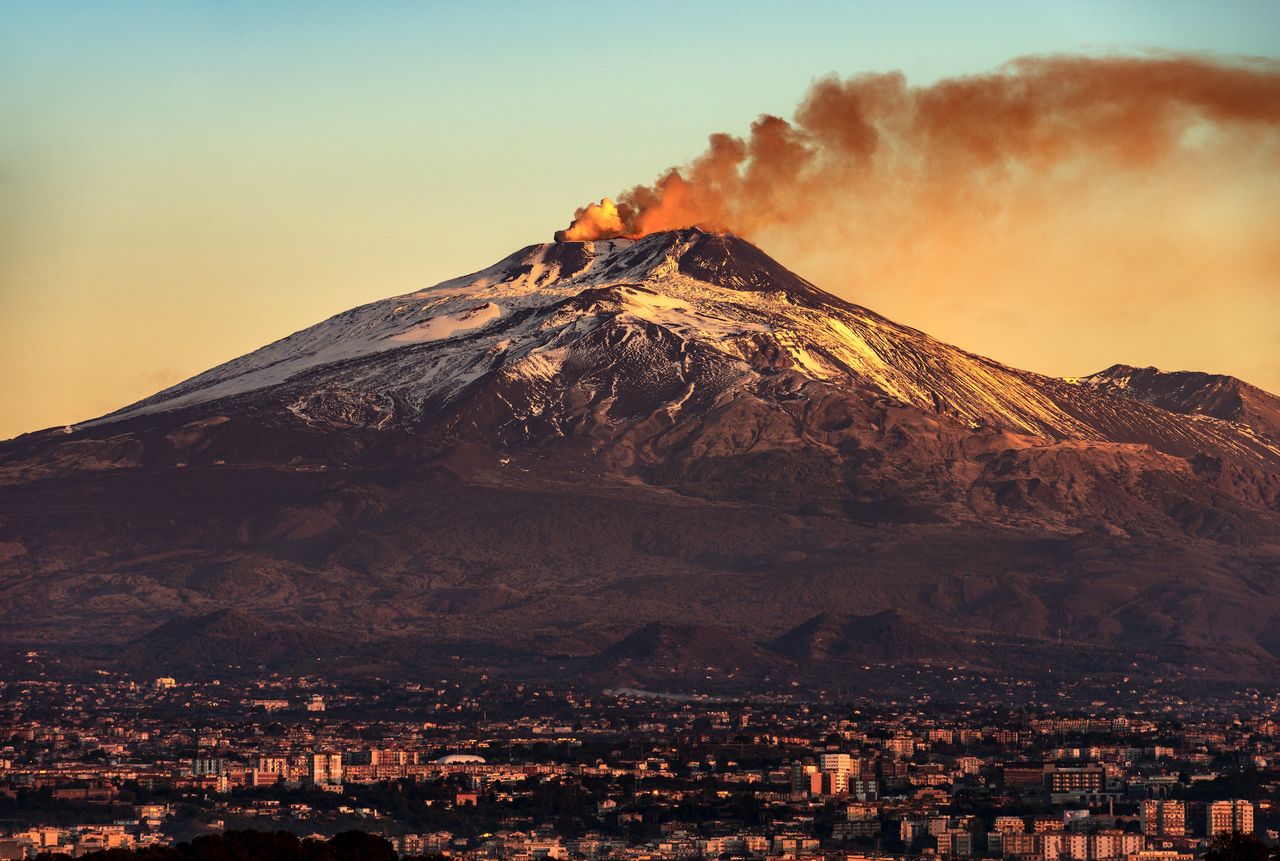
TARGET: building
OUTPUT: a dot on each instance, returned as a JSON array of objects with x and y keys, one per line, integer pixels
[
  {"x": 1022, "y": 776},
  {"x": 912, "y": 831},
  {"x": 835, "y": 782},
  {"x": 435, "y": 843},
  {"x": 864, "y": 790},
  {"x": 207, "y": 766},
  {"x": 1078, "y": 783},
  {"x": 1098, "y": 846},
  {"x": 1012, "y": 845},
  {"x": 806, "y": 779},
  {"x": 1009, "y": 825},
  {"x": 836, "y": 762},
  {"x": 860, "y": 821},
  {"x": 1112, "y": 843},
  {"x": 1224, "y": 817},
  {"x": 326, "y": 769},
  {"x": 901, "y": 745},
  {"x": 955, "y": 843},
  {"x": 1164, "y": 818},
  {"x": 794, "y": 846},
  {"x": 1159, "y": 855},
  {"x": 1049, "y": 845}
]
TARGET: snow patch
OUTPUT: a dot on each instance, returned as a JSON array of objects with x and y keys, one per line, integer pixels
[{"x": 448, "y": 325}]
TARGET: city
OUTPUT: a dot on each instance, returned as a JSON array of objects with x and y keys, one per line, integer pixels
[{"x": 473, "y": 769}]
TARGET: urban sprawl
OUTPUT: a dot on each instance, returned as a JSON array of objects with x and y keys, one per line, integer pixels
[{"x": 486, "y": 770}]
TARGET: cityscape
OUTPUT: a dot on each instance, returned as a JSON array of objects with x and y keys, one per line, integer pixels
[{"x": 471, "y": 769}]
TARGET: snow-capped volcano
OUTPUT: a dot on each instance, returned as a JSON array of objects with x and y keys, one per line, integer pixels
[
  {"x": 527, "y": 316},
  {"x": 673, "y": 322},
  {"x": 588, "y": 438}
]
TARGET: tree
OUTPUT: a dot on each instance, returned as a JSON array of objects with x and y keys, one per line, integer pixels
[
  {"x": 360, "y": 846},
  {"x": 1238, "y": 847},
  {"x": 255, "y": 846}
]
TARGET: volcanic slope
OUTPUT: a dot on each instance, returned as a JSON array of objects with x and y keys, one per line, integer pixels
[{"x": 588, "y": 438}]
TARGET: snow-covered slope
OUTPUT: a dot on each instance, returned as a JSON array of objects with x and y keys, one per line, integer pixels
[
  {"x": 520, "y": 317},
  {"x": 676, "y": 321}
]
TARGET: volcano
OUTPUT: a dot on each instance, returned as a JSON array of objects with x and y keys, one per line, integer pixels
[{"x": 589, "y": 440}]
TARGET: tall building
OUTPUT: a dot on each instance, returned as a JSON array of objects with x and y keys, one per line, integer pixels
[
  {"x": 1112, "y": 843},
  {"x": 901, "y": 745},
  {"x": 273, "y": 765},
  {"x": 1225, "y": 817},
  {"x": 806, "y": 778},
  {"x": 1047, "y": 844},
  {"x": 326, "y": 769},
  {"x": 835, "y": 782},
  {"x": 1164, "y": 818},
  {"x": 955, "y": 843},
  {"x": 860, "y": 821}
]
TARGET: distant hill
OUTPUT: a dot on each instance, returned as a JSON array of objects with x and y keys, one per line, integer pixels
[
  {"x": 658, "y": 650},
  {"x": 891, "y": 635},
  {"x": 228, "y": 637}
]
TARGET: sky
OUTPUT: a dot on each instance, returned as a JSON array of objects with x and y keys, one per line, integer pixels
[{"x": 182, "y": 182}]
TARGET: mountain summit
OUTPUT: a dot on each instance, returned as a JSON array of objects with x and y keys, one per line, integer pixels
[
  {"x": 667, "y": 313},
  {"x": 589, "y": 437},
  {"x": 675, "y": 322}
]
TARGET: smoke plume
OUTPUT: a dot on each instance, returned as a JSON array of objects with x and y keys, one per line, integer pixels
[
  {"x": 947, "y": 141},
  {"x": 1114, "y": 180}
]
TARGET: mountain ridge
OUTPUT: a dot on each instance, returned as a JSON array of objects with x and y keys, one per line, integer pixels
[{"x": 1220, "y": 396}]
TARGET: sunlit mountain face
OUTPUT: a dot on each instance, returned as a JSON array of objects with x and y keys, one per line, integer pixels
[{"x": 667, "y": 452}]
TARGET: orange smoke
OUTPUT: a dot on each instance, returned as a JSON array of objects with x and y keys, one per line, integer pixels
[
  {"x": 947, "y": 144},
  {"x": 596, "y": 221},
  {"x": 1060, "y": 214}
]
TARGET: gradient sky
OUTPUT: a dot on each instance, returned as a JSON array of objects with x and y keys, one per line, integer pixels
[{"x": 181, "y": 182}]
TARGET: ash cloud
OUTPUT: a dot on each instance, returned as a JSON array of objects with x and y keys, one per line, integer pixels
[
  {"x": 946, "y": 141},
  {"x": 1055, "y": 194}
]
